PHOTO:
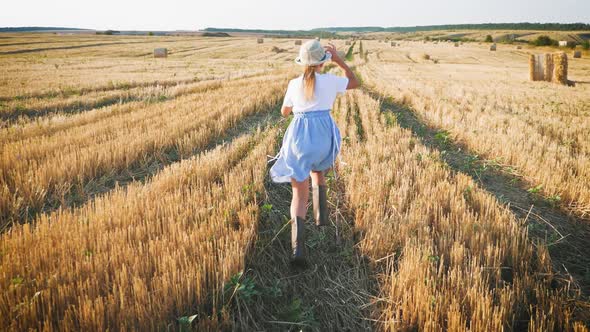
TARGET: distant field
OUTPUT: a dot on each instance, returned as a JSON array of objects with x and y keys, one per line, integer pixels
[
  {"x": 480, "y": 35},
  {"x": 135, "y": 191}
]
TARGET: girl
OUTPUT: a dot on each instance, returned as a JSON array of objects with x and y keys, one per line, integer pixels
[{"x": 312, "y": 140}]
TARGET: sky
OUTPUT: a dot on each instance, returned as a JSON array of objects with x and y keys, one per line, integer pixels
[{"x": 289, "y": 15}]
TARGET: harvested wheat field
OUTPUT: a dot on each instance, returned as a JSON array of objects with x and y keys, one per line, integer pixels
[{"x": 135, "y": 192}]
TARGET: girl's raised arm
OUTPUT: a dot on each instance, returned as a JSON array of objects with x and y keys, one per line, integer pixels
[{"x": 353, "y": 82}]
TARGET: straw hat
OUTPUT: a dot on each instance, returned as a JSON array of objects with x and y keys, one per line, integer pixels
[{"x": 312, "y": 53}]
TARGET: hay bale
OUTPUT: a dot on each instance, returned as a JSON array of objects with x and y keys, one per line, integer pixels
[
  {"x": 160, "y": 52},
  {"x": 538, "y": 65},
  {"x": 298, "y": 42},
  {"x": 493, "y": 47},
  {"x": 548, "y": 70},
  {"x": 532, "y": 72},
  {"x": 260, "y": 40},
  {"x": 560, "y": 68},
  {"x": 519, "y": 47},
  {"x": 393, "y": 44},
  {"x": 456, "y": 44},
  {"x": 425, "y": 56},
  {"x": 577, "y": 54}
]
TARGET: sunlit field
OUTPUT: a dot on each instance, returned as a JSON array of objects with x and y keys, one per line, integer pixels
[
  {"x": 134, "y": 191},
  {"x": 484, "y": 99}
]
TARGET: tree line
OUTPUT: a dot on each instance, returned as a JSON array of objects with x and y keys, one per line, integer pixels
[{"x": 482, "y": 26}]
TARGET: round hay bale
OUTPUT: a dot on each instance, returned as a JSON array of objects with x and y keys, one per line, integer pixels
[
  {"x": 519, "y": 47},
  {"x": 456, "y": 44},
  {"x": 493, "y": 47},
  {"x": 260, "y": 40},
  {"x": 425, "y": 56},
  {"x": 560, "y": 68},
  {"x": 577, "y": 54},
  {"x": 298, "y": 42}
]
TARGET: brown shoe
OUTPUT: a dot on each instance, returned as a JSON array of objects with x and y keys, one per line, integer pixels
[
  {"x": 320, "y": 205},
  {"x": 298, "y": 241}
]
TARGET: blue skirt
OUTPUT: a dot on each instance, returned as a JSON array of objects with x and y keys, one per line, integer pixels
[{"x": 311, "y": 143}]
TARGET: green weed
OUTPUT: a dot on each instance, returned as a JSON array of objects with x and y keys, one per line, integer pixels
[
  {"x": 241, "y": 287},
  {"x": 554, "y": 200},
  {"x": 535, "y": 189},
  {"x": 266, "y": 208},
  {"x": 442, "y": 137},
  {"x": 390, "y": 119},
  {"x": 295, "y": 313},
  {"x": 185, "y": 322},
  {"x": 88, "y": 253},
  {"x": 18, "y": 280},
  {"x": 274, "y": 291}
]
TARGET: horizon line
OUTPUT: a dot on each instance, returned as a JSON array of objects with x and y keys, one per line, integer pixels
[{"x": 294, "y": 30}]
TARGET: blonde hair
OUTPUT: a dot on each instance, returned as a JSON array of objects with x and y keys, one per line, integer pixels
[{"x": 309, "y": 82}]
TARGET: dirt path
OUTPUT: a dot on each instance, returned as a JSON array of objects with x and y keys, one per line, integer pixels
[
  {"x": 565, "y": 236},
  {"x": 332, "y": 294}
]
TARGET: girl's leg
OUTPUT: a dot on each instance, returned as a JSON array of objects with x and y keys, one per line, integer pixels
[
  {"x": 318, "y": 178},
  {"x": 320, "y": 198},
  {"x": 298, "y": 212},
  {"x": 300, "y": 198}
]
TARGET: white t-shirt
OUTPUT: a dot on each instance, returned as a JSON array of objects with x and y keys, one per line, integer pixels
[{"x": 327, "y": 87}]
